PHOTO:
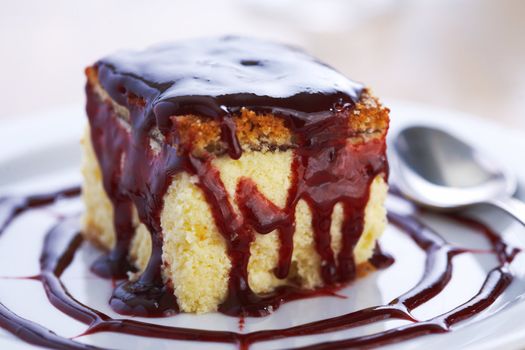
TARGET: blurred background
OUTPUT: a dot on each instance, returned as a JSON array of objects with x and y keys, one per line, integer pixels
[{"x": 467, "y": 55}]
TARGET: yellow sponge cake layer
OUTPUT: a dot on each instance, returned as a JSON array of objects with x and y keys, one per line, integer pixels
[{"x": 194, "y": 252}]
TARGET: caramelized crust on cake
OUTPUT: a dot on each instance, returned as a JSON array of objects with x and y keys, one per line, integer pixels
[{"x": 255, "y": 131}]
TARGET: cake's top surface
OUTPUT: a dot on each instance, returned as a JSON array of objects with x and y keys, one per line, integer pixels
[{"x": 213, "y": 77}]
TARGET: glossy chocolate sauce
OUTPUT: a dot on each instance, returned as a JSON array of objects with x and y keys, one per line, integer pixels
[
  {"x": 64, "y": 240},
  {"x": 214, "y": 79},
  {"x": 11, "y": 207}
]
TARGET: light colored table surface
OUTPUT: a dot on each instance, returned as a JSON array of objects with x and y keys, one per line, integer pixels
[{"x": 467, "y": 55}]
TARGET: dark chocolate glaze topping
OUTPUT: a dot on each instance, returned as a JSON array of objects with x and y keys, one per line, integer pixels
[{"x": 214, "y": 77}]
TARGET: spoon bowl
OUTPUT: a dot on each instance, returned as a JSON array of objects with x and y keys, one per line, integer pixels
[{"x": 437, "y": 170}]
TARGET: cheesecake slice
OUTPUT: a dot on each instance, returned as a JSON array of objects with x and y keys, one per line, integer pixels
[{"x": 229, "y": 174}]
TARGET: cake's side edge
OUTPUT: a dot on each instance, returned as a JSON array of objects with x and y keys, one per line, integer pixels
[{"x": 98, "y": 228}]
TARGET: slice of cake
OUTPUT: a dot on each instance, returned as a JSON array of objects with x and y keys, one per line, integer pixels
[{"x": 229, "y": 174}]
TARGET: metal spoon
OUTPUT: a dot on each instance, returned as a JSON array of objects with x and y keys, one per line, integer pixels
[{"x": 439, "y": 171}]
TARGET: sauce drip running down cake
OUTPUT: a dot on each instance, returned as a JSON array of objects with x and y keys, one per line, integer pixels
[{"x": 229, "y": 175}]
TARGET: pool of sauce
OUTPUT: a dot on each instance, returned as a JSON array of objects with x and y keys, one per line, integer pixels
[{"x": 64, "y": 240}]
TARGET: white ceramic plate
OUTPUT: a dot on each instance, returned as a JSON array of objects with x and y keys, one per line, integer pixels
[{"x": 43, "y": 152}]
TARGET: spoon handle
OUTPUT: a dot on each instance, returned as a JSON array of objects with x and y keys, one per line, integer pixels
[{"x": 511, "y": 205}]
